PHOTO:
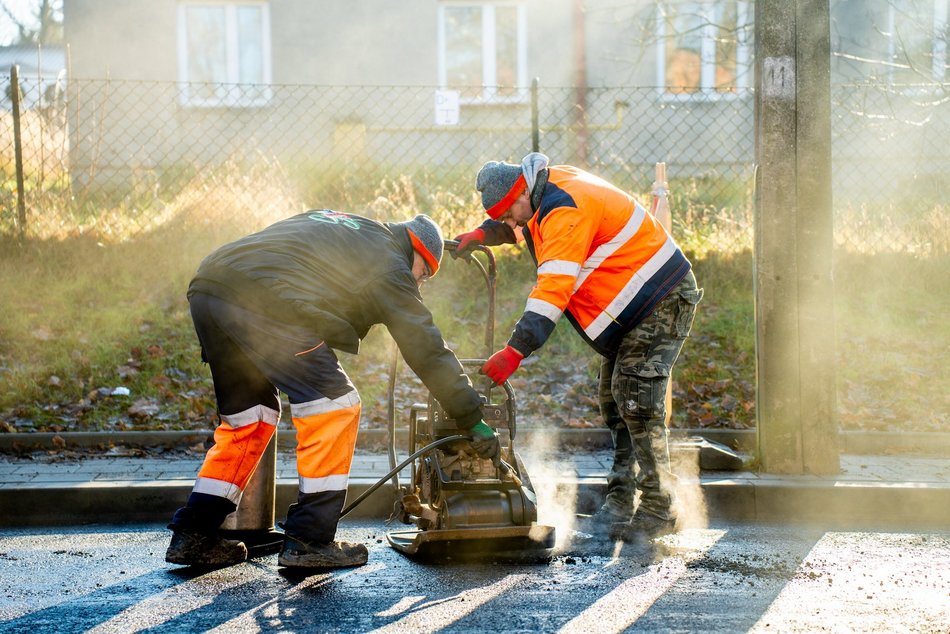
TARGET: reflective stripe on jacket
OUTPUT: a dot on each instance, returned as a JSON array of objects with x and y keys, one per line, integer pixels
[{"x": 603, "y": 260}]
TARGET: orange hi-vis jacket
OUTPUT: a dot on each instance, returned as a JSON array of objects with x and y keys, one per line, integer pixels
[{"x": 602, "y": 258}]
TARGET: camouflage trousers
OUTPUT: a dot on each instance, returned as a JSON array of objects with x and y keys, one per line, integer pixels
[{"x": 633, "y": 385}]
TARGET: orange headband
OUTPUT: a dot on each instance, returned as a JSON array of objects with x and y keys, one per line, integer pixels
[
  {"x": 499, "y": 208},
  {"x": 423, "y": 251}
]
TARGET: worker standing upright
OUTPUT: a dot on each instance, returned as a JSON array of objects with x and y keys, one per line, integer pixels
[{"x": 608, "y": 265}]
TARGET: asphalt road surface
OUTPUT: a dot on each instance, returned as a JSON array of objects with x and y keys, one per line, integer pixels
[{"x": 725, "y": 578}]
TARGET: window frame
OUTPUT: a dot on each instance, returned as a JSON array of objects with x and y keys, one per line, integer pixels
[
  {"x": 489, "y": 85},
  {"x": 707, "y": 82},
  {"x": 232, "y": 98},
  {"x": 938, "y": 44}
]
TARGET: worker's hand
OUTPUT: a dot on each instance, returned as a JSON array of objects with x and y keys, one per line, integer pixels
[
  {"x": 502, "y": 364},
  {"x": 484, "y": 441},
  {"x": 467, "y": 242}
]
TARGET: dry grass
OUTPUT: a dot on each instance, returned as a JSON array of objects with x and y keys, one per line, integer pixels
[
  {"x": 45, "y": 147},
  {"x": 99, "y": 302}
]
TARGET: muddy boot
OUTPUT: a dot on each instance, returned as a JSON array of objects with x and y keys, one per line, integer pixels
[
  {"x": 191, "y": 548},
  {"x": 643, "y": 527},
  {"x": 601, "y": 521},
  {"x": 297, "y": 553}
]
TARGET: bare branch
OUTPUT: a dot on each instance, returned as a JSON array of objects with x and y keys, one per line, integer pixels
[{"x": 45, "y": 25}]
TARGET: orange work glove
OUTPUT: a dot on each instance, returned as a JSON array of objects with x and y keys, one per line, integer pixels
[
  {"x": 502, "y": 364},
  {"x": 468, "y": 241}
]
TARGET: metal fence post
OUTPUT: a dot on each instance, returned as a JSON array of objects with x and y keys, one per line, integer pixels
[
  {"x": 535, "y": 132},
  {"x": 18, "y": 149}
]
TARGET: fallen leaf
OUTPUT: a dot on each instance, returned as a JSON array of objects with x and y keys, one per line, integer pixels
[
  {"x": 143, "y": 409},
  {"x": 125, "y": 371}
]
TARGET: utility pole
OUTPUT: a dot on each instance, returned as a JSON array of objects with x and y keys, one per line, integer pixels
[{"x": 794, "y": 289}]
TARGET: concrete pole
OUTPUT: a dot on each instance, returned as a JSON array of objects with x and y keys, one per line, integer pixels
[{"x": 794, "y": 291}]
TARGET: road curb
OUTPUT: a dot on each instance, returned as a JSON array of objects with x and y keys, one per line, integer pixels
[
  {"x": 831, "y": 504},
  {"x": 744, "y": 440},
  {"x": 128, "y": 502}
]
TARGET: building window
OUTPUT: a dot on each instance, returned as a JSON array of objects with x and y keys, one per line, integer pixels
[
  {"x": 917, "y": 35},
  {"x": 483, "y": 50},
  {"x": 224, "y": 54},
  {"x": 704, "y": 48}
]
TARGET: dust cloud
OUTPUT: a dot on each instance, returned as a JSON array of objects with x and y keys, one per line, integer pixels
[
  {"x": 551, "y": 473},
  {"x": 690, "y": 505}
]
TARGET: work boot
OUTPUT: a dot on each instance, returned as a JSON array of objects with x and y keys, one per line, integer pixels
[
  {"x": 297, "y": 553},
  {"x": 642, "y": 527},
  {"x": 191, "y": 548},
  {"x": 605, "y": 517}
]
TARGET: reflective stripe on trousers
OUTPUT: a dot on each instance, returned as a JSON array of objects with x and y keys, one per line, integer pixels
[
  {"x": 326, "y": 439},
  {"x": 239, "y": 443}
]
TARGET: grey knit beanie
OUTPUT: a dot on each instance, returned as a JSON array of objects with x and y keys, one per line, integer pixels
[
  {"x": 494, "y": 180},
  {"x": 426, "y": 238}
]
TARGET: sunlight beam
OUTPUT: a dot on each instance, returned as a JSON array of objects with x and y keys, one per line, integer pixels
[
  {"x": 441, "y": 613},
  {"x": 621, "y": 607},
  {"x": 865, "y": 581}
]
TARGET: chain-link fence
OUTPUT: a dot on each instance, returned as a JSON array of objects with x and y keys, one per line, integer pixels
[
  {"x": 124, "y": 160},
  {"x": 891, "y": 167},
  {"x": 112, "y": 156}
]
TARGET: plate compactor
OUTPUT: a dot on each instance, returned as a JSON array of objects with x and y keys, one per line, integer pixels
[{"x": 463, "y": 506}]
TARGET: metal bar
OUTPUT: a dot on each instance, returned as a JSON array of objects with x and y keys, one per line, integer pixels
[
  {"x": 18, "y": 149},
  {"x": 535, "y": 132},
  {"x": 257, "y": 508}
]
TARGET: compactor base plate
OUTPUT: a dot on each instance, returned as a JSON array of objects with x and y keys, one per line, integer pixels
[{"x": 483, "y": 543}]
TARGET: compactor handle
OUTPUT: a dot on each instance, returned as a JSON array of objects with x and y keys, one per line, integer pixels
[{"x": 489, "y": 271}]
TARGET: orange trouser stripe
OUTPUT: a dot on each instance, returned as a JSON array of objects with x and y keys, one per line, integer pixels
[
  {"x": 236, "y": 452},
  {"x": 325, "y": 444}
]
